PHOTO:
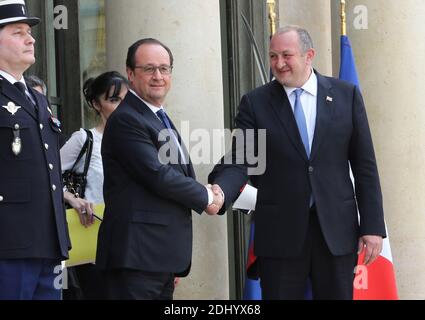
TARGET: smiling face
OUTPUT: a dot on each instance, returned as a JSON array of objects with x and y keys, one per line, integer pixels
[
  {"x": 16, "y": 49},
  {"x": 151, "y": 87},
  {"x": 290, "y": 65}
]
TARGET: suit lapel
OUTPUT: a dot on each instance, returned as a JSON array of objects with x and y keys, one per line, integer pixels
[
  {"x": 325, "y": 111},
  {"x": 183, "y": 147},
  {"x": 157, "y": 124},
  {"x": 286, "y": 116},
  {"x": 16, "y": 96}
]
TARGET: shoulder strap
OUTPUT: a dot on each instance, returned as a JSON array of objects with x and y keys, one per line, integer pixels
[
  {"x": 83, "y": 150},
  {"x": 89, "y": 148}
]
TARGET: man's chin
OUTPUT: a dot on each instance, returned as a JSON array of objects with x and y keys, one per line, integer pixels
[
  {"x": 284, "y": 81},
  {"x": 156, "y": 100},
  {"x": 29, "y": 61},
  {"x": 157, "y": 95}
]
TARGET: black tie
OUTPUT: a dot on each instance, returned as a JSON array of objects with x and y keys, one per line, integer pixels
[{"x": 23, "y": 89}]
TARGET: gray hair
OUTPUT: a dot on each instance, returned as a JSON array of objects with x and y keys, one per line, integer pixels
[{"x": 306, "y": 43}]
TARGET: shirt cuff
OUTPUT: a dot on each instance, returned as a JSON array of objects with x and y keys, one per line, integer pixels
[{"x": 210, "y": 196}]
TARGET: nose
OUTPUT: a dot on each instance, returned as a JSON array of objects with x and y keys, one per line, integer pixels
[
  {"x": 157, "y": 74},
  {"x": 30, "y": 38},
  {"x": 281, "y": 62}
]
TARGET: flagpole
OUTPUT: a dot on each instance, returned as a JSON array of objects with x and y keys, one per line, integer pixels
[
  {"x": 343, "y": 19},
  {"x": 271, "y": 4}
]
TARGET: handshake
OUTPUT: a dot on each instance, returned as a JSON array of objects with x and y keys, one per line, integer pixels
[{"x": 218, "y": 200}]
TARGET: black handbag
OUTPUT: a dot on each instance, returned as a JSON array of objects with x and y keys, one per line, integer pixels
[{"x": 76, "y": 182}]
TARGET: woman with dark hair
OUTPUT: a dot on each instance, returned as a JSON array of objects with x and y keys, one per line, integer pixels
[{"x": 103, "y": 94}]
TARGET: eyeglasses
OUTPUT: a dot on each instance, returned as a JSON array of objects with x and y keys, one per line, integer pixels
[{"x": 163, "y": 69}]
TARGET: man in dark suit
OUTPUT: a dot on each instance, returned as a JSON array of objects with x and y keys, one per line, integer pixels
[
  {"x": 33, "y": 230},
  {"x": 306, "y": 222},
  {"x": 145, "y": 239}
]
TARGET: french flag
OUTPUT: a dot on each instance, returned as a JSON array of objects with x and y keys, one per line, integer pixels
[
  {"x": 377, "y": 281},
  {"x": 252, "y": 289}
]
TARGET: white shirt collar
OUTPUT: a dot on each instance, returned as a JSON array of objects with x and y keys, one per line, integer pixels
[
  {"x": 11, "y": 78},
  {"x": 310, "y": 86},
  {"x": 153, "y": 108}
]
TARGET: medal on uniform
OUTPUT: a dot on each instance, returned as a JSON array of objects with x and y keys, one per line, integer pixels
[
  {"x": 55, "y": 122},
  {"x": 16, "y": 143},
  {"x": 12, "y": 108}
]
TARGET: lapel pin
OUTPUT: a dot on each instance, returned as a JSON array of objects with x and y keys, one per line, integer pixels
[
  {"x": 330, "y": 99},
  {"x": 12, "y": 108}
]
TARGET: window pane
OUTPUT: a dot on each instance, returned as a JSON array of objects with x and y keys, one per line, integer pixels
[{"x": 92, "y": 47}]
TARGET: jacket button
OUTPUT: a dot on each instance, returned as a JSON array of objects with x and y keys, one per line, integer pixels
[
  {"x": 1, "y": 198},
  {"x": 310, "y": 169},
  {"x": 51, "y": 166},
  {"x": 53, "y": 187},
  {"x": 46, "y": 146},
  {"x": 41, "y": 126},
  {"x": 17, "y": 127}
]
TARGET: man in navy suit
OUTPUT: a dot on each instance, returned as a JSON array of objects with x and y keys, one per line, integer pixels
[
  {"x": 145, "y": 239},
  {"x": 306, "y": 222},
  {"x": 33, "y": 230}
]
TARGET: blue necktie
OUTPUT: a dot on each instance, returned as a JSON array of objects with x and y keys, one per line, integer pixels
[
  {"x": 302, "y": 127},
  {"x": 300, "y": 119},
  {"x": 161, "y": 114},
  {"x": 163, "y": 117}
]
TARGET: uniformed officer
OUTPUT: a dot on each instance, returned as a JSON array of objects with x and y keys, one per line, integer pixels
[{"x": 33, "y": 230}]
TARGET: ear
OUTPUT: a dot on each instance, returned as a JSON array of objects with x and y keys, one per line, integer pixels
[
  {"x": 96, "y": 105},
  {"x": 130, "y": 75},
  {"x": 311, "y": 53}
]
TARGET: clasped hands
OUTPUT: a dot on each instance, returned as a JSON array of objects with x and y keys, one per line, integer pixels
[{"x": 218, "y": 200}]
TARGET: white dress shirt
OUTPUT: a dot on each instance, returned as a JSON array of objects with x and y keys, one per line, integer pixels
[{"x": 308, "y": 102}]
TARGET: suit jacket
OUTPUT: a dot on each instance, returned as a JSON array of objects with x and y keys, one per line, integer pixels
[
  {"x": 32, "y": 214},
  {"x": 147, "y": 223},
  {"x": 341, "y": 137}
]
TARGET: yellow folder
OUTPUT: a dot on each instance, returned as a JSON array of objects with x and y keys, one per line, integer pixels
[{"x": 83, "y": 240}]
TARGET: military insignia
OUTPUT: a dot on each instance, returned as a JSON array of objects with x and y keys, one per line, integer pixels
[
  {"x": 16, "y": 146},
  {"x": 330, "y": 99},
  {"x": 12, "y": 108},
  {"x": 23, "y": 10},
  {"x": 16, "y": 142}
]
